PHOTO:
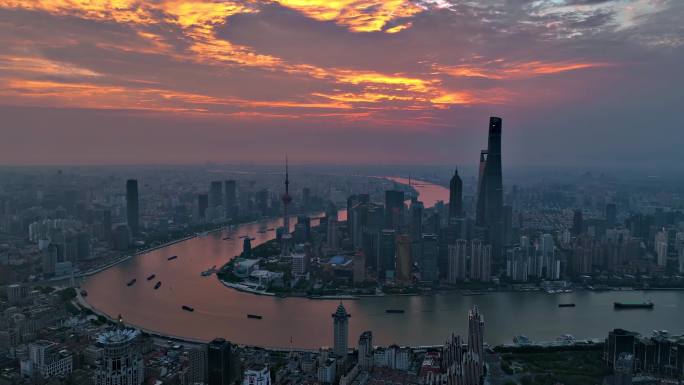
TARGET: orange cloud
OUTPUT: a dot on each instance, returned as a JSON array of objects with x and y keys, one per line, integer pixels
[
  {"x": 499, "y": 69},
  {"x": 106, "y": 96},
  {"x": 399, "y": 28},
  {"x": 358, "y": 15},
  {"x": 121, "y": 11},
  {"x": 43, "y": 66},
  {"x": 351, "y": 93}
]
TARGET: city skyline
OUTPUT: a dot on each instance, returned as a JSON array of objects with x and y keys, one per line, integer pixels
[
  {"x": 174, "y": 82},
  {"x": 341, "y": 192}
]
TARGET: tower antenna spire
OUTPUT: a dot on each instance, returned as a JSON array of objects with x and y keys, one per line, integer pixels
[{"x": 287, "y": 199}]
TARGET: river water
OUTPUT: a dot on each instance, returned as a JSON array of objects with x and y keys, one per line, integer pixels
[{"x": 304, "y": 323}]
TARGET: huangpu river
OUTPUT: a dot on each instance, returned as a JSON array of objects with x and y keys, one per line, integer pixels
[{"x": 306, "y": 323}]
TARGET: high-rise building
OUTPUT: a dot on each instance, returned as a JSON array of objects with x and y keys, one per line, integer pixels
[
  {"x": 494, "y": 187},
  {"x": 257, "y": 375},
  {"x": 611, "y": 214},
  {"x": 577, "y": 223},
  {"x": 476, "y": 336},
  {"x": 121, "y": 237},
  {"x": 517, "y": 265},
  {"x": 460, "y": 366},
  {"x": 306, "y": 199},
  {"x": 47, "y": 361},
  {"x": 623, "y": 369},
  {"x": 332, "y": 235},
  {"x": 403, "y": 250},
  {"x": 429, "y": 270},
  {"x": 386, "y": 253},
  {"x": 481, "y": 190},
  {"x": 661, "y": 248},
  {"x": 455, "y": 197},
  {"x": 416, "y": 224},
  {"x": 458, "y": 261},
  {"x": 230, "y": 190},
  {"x": 365, "y": 352},
  {"x": 394, "y": 209},
  {"x": 132, "y": 207},
  {"x": 215, "y": 194},
  {"x": 305, "y": 221},
  {"x": 507, "y": 225},
  {"x": 286, "y": 237},
  {"x": 107, "y": 225},
  {"x": 340, "y": 332},
  {"x": 480, "y": 262},
  {"x": 221, "y": 367},
  {"x": 300, "y": 264},
  {"x": 197, "y": 357},
  {"x": 121, "y": 361},
  {"x": 202, "y": 206},
  {"x": 359, "y": 267}
]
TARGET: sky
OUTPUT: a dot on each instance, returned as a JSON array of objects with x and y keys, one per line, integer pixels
[{"x": 577, "y": 82}]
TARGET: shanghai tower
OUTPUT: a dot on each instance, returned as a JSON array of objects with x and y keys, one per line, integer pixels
[{"x": 490, "y": 188}]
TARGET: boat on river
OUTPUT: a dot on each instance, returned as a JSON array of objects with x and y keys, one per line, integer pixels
[
  {"x": 151, "y": 277},
  {"x": 254, "y": 316},
  {"x": 158, "y": 285},
  {"x": 633, "y": 305},
  {"x": 131, "y": 282},
  {"x": 394, "y": 311},
  {"x": 187, "y": 308}
]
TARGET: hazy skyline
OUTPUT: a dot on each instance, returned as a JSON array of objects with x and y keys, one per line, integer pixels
[{"x": 577, "y": 82}]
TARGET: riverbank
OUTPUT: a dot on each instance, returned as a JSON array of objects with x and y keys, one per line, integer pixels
[
  {"x": 541, "y": 346},
  {"x": 145, "y": 251}
]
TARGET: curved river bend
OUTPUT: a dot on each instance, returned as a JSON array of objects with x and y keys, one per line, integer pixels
[{"x": 221, "y": 312}]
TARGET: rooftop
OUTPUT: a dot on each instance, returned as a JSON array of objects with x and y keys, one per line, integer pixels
[{"x": 117, "y": 336}]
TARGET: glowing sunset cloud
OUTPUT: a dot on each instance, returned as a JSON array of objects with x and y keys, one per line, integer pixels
[
  {"x": 358, "y": 15},
  {"x": 502, "y": 70}
]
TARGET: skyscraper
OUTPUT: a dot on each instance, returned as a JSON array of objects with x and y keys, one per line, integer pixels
[
  {"x": 476, "y": 336},
  {"x": 577, "y": 223},
  {"x": 611, "y": 214},
  {"x": 230, "y": 190},
  {"x": 332, "y": 236},
  {"x": 198, "y": 364},
  {"x": 107, "y": 225},
  {"x": 403, "y": 259},
  {"x": 386, "y": 253},
  {"x": 220, "y": 363},
  {"x": 340, "y": 331},
  {"x": 455, "y": 197},
  {"x": 365, "y": 358},
  {"x": 458, "y": 261},
  {"x": 306, "y": 199},
  {"x": 481, "y": 191},
  {"x": 122, "y": 361},
  {"x": 132, "y": 208},
  {"x": 429, "y": 270},
  {"x": 286, "y": 237},
  {"x": 394, "y": 209},
  {"x": 215, "y": 194},
  {"x": 494, "y": 187},
  {"x": 416, "y": 224},
  {"x": 202, "y": 205},
  {"x": 480, "y": 262}
]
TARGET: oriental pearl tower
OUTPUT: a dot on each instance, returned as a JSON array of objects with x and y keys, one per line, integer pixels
[{"x": 286, "y": 237}]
